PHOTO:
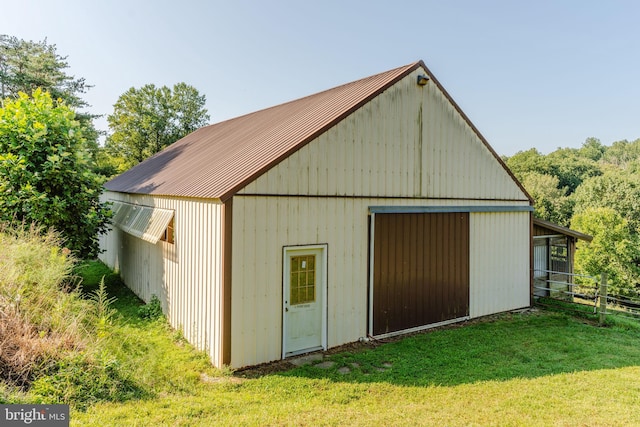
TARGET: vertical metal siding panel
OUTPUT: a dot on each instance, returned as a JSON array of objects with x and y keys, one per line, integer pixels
[
  {"x": 445, "y": 281},
  {"x": 195, "y": 280},
  {"x": 499, "y": 262},
  {"x": 455, "y": 161},
  {"x": 258, "y": 242},
  {"x": 187, "y": 288},
  {"x": 238, "y": 258}
]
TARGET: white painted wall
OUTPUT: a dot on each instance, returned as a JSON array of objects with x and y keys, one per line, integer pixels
[{"x": 406, "y": 147}]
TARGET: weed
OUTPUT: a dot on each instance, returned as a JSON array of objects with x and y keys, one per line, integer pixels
[
  {"x": 152, "y": 310},
  {"x": 102, "y": 308},
  {"x": 81, "y": 381}
]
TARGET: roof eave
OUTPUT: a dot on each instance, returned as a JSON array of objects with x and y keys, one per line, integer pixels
[{"x": 562, "y": 230}]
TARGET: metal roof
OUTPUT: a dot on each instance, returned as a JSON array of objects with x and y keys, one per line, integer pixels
[
  {"x": 562, "y": 230},
  {"x": 218, "y": 160}
]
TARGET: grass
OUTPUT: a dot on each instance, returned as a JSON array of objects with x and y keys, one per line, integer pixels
[{"x": 534, "y": 368}]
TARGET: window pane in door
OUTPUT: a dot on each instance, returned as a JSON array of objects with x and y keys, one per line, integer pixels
[{"x": 302, "y": 279}]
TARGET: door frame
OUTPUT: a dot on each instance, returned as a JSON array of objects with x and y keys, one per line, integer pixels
[{"x": 322, "y": 288}]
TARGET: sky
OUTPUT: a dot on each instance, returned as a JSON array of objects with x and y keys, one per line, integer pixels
[{"x": 543, "y": 74}]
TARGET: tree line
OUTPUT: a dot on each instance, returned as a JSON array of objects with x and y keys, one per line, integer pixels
[
  {"x": 52, "y": 165},
  {"x": 594, "y": 189}
]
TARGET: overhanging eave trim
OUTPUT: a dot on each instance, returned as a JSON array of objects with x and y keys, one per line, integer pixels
[{"x": 447, "y": 209}]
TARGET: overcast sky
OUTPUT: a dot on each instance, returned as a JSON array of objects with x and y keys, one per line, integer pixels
[{"x": 543, "y": 74}]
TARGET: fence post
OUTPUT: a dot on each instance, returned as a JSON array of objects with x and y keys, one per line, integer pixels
[{"x": 603, "y": 297}]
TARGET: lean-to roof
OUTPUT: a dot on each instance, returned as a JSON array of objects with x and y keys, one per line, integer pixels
[{"x": 562, "y": 230}]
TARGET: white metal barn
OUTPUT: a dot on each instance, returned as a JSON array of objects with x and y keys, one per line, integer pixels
[{"x": 371, "y": 209}]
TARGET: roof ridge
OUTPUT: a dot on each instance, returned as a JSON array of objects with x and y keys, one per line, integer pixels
[{"x": 352, "y": 83}]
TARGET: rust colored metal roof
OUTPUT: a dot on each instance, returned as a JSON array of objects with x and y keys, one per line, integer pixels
[{"x": 218, "y": 160}]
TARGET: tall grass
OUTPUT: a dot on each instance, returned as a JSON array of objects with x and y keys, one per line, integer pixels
[
  {"x": 42, "y": 316},
  {"x": 50, "y": 333}
]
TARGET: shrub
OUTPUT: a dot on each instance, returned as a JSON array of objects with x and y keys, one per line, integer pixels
[
  {"x": 152, "y": 310},
  {"x": 45, "y": 171}
]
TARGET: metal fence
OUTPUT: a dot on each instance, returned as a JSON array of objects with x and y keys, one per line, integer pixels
[{"x": 584, "y": 294}]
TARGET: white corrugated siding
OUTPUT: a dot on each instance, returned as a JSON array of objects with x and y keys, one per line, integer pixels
[
  {"x": 188, "y": 283},
  {"x": 263, "y": 225},
  {"x": 407, "y": 142},
  {"x": 499, "y": 249}
]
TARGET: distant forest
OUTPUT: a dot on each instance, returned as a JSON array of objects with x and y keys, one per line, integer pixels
[{"x": 594, "y": 189}]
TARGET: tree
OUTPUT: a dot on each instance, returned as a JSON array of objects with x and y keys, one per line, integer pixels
[
  {"x": 45, "y": 174},
  {"x": 622, "y": 154},
  {"x": 524, "y": 162},
  {"x": 27, "y": 65},
  {"x": 571, "y": 167},
  {"x": 551, "y": 203},
  {"x": 615, "y": 190},
  {"x": 592, "y": 149},
  {"x": 146, "y": 120},
  {"x": 614, "y": 249}
]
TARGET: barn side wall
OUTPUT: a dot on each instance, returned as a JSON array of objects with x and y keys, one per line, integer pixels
[
  {"x": 185, "y": 276},
  {"x": 263, "y": 225}
]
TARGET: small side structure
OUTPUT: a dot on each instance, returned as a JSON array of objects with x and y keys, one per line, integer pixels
[
  {"x": 371, "y": 209},
  {"x": 554, "y": 249}
]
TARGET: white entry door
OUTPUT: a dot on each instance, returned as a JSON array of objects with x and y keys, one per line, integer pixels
[{"x": 304, "y": 293}]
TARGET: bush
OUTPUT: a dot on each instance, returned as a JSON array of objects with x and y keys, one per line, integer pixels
[{"x": 152, "y": 310}]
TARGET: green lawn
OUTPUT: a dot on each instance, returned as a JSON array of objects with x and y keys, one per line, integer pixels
[{"x": 540, "y": 368}]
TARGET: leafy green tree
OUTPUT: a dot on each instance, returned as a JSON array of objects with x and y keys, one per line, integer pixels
[
  {"x": 27, "y": 65},
  {"x": 551, "y": 203},
  {"x": 592, "y": 149},
  {"x": 614, "y": 250},
  {"x": 525, "y": 162},
  {"x": 45, "y": 174},
  {"x": 622, "y": 154},
  {"x": 148, "y": 119},
  {"x": 615, "y": 190},
  {"x": 571, "y": 167}
]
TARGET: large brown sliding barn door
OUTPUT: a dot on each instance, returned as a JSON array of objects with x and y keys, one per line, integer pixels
[{"x": 420, "y": 271}]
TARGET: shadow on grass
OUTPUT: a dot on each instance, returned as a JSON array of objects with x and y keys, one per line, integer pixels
[
  {"x": 126, "y": 303},
  {"x": 525, "y": 345}
]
